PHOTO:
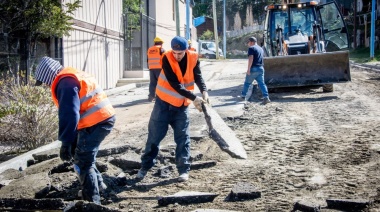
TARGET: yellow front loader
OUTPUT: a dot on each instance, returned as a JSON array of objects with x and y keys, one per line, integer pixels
[{"x": 305, "y": 44}]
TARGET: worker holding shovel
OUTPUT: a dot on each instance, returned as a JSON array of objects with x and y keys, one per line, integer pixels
[{"x": 180, "y": 71}]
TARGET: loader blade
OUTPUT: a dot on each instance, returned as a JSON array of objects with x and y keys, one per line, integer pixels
[
  {"x": 222, "y": 134},
  {"x": 307, "y": 69}
]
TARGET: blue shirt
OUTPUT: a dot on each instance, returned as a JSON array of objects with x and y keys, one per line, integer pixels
[{"x": 258, "y": 54}]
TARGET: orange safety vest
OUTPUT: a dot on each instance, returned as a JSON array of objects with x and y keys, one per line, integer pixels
[
  {"x": 154, "y": 57},
  {"x": 95, "y": 107},
  {"x": 165, "y": 91},
  {"x": 192, "y": 49}
]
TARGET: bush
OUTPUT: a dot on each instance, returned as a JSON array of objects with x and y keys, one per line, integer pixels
[
  {"x": 28, "y": 117},
  {"x": 207, "y": 35}
]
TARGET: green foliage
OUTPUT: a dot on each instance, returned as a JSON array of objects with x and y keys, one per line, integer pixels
[
  {"x": 131, "y": 11},
  {"x": 207, "y": 35},
  {"x": 362, "y": 55},
  {"x": 28, "y": 118},
  {"x": 44, "y": 18}
]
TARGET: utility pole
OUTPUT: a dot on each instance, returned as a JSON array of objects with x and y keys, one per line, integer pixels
[
  {"x": 372, "y": 44},
  {"x": 355, "y": 8},
  {"x": 177, "y": 17},
  {"x": 215, "y": 29},
  {"x": 187, "y": 20},
  {"x": 224, "y": 29}
]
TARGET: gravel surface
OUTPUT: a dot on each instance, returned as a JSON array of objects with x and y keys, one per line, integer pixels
[{"x": 305, "y": 145}]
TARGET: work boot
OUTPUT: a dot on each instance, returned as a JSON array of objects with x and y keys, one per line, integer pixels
[
  {"x": 141, "y": 174},
  {"x": 183, "y": 177},
  {"x": 266, "y": 100}
]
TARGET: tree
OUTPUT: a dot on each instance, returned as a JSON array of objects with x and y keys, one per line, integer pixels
[
  {"x": 131, "y": 11},
  {"x": 204, "y": 8},
  {"x": 24, "y": 22},
  {"x": 207, "y": 35}
]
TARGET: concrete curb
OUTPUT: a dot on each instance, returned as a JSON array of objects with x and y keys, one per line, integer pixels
[
  {"x": 20, "y": 162},
  {"x": 120, "y": 89},
  {"x": 367, "y": 67}
]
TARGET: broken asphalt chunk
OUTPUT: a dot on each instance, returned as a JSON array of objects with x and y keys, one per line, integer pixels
[
  {"x": 187, "y": 197},
  {"x": 306, "y": 206},
  {"x": 129, "y": 160},
  {"x": 31, "y": 204},
  {"x": 222, "y": 134},
  {"x": 202, "y": 164},
  {"x": 243, "y": 191},
  {"x": 32, "y": 186},
  {"x": 87, "y": 207},
  {"x": 114, "y": 150},
  {"x": 348, "y": 204}
]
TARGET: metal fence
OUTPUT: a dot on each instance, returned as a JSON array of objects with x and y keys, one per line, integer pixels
[
  {"x": 13, "y": 58},
  {"x": 138, "y": 40}
]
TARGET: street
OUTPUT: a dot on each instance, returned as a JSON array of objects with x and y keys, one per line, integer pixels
[{"x": 306, "y": 145}]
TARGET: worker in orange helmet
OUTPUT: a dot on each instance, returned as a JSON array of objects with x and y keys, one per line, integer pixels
[
  {"x": 154, "y": 64},
  {"x": 190, "y": 47}
]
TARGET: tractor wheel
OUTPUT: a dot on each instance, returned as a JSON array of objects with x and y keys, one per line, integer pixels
[
  {"x": 328, "y": 88},
  {"x": 207, "y": 56}
]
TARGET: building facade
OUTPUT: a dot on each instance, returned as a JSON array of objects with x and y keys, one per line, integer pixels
[
  {"x": 158, "y": 18},
  {"x": 96, "y": 43}
]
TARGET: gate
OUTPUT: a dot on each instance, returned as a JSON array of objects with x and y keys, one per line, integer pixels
[{"x": 140, "y": 31}]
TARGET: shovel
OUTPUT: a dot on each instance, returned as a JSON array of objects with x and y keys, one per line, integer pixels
[{"x": 222, "y": 134}]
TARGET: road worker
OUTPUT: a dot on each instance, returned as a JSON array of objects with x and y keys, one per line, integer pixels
[
  {"x": 190, "y": 47},
  {"x": 154, "y": 64},
  {"x": 86, "y": 117},
  {"x": 180, "y": 71}
]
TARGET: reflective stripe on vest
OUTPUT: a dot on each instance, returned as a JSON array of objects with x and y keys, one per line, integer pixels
[
  {"x": 95, "y": 107},
  {"x": 164, "y": 89},
  {"x": 154, "y": 57}
]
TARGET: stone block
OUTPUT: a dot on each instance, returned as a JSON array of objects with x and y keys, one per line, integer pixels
[{"x": 243, "y": 191}]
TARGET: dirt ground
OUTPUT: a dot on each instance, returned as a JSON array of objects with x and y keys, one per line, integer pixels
[{"x": 304, "y": 145}]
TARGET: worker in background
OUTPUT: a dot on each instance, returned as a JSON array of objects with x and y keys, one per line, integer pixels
[
  {"x": 86, "y": 117},
  {"x": 190, "y": 47},
  {"x": 180, "y": 71},
  {"x": 255, "y": 70},
  {"x": 154, "y": 64}
]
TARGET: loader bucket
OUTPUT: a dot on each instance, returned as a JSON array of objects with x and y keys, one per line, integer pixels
[{"x": 307, "y": 69}]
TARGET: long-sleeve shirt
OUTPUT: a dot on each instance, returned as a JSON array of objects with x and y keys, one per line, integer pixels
[
  {"x": 174, "y": 82},
  {"x": 67, "y": 92}
]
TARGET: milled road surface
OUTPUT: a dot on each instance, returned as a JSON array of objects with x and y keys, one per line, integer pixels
[{"x": 306, "y": 145}]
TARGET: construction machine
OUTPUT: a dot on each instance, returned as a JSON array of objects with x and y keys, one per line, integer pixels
[{"x": 305, "y": 43}]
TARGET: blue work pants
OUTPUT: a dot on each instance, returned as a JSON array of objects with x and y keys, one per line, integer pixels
[
  {"x": 256, "y": 73},
  {"x": 153, "y": 74},
  {"x": 87, "y": 148},
  {"x": 162, "y": 116}
]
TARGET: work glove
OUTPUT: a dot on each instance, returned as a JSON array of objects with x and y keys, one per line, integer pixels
[
  {"x": 205, "y": 97},
  {"x": 198, "y": 103},
  {"x": 65, "y": 152}
]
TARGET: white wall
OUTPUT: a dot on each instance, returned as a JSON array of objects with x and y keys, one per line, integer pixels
[
  {"x": 166, "y": 24},
  {"x": 96, "y": 44}
]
